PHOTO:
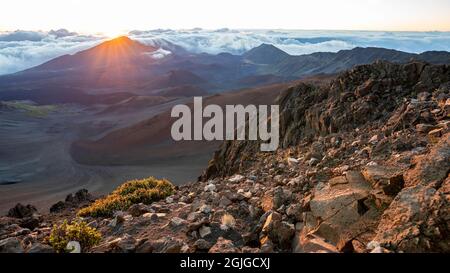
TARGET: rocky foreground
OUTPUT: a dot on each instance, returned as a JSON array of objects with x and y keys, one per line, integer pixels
[{"x": 364, "y": 167}]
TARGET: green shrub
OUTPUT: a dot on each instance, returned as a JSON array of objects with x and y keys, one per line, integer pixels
[
  {"x": 132, "y": 192},
  {"x": 75, "y": 231}
]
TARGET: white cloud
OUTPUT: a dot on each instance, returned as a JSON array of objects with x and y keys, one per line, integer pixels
[
  {"x": 23, "y": 49},
  {"x": 20, "y": 50}
]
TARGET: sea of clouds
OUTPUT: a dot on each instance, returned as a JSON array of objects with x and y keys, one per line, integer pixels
[{"x": 20, "y": 49}]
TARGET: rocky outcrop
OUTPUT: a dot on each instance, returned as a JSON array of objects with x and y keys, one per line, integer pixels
[
  {"x": 380, "y": 95},
  {"x": 76, "y": 200}
]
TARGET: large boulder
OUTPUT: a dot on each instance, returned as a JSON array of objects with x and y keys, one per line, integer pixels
[
  {"x": 389, "y": 179},
  {"x": 343, "y": 209},
  {"x": 21, "y": 211},
  {"x": 418, "y": 220},
  {"x": 278, "y": 231},
  {"x": 11, "y": 245},
  {"x": 433, "y": 168}
]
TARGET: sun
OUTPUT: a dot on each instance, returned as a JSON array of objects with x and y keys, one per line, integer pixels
[{"x": 114, "y": 33}]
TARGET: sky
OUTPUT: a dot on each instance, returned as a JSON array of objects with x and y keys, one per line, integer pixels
[
  {"x": 115, "y": 17},
  {"x": 33, "y": 32}
]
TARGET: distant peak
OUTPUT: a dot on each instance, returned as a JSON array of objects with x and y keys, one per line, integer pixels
[
  {"x": 121, "y": 39},
  {"x": 265, "y": 54},
  {"x": 267, "y": 48},
  {"x": 123, "y": 43}
]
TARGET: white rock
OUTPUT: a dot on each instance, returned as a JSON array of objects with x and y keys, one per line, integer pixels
[
  {"x": 210, "y": 187},
  {"x": 372, "y": 245},
  {"x": 176, "y": 221},
  {"x": 169, "y": 200},
  {"x": 73, "y": 247},
  {"x": 313, "y": 161},
  {"x": 377, "y": 249},
  {"x": 236, "y": 178},
  {"x": 374, "y": 139},
  {"x": 372, "y": 163},
  {"x": 292, "y": 160},
  {"x": 205, "y": 209}
]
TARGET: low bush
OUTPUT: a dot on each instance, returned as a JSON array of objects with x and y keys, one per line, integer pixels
[
  {"x": 144, "y": 191},
  {"x": 75, "y": 231}
]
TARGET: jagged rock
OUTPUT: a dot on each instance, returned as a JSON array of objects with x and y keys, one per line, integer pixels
[
  {"x": 118, "y": 220},
  {"x": 31, "y": 222},
  {"x": 236, "y": 178},
  {"x": 278, "y": 231},
  {"x": 21, "y": 211},
  {"x": 224, "y": 246},
  {"x": 424, "y": 128},
  {"x": 417, "y": 220},
  {"x": 40, "y": 248},
  {"x": 435, "y": 135},
  {"x": 177, "y": 222},
  {"x": 224, "y": 202},
  {"x": 388, "y": 178},
  {"x": 295, "y": 212},
  {"x": 205, "y": 209},
  {"x": 339, "y": 206},
  {"x": 80, "y": 196},
  {"x": 58, "y": 207},
  {"x": 311, "y": 244},
  {"x": 274, "y": 200},
  {"x": 433, "y": 168},
  {"x": 124, "y": 244},
  {"x": 137, "y": 210},
  {"x": 72, "y": 201},
  {"x": 11, "y": 245},
  {"x": 167, "y": 245},
  {"x": 202, "y": 245},
  {"x": 204, "y": 231}
]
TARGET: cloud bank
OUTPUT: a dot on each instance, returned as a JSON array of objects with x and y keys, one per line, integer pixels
[
  {"x": 23, "y": 49},
  {"x": 20, "y": 50}
]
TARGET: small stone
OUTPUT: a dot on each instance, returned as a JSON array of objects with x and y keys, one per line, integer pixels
[
  {"x": 313, "y": 161},
  {"x": 252, "y": 178},
  {"x": 374, "y": 139},
  {"x": 372, "y": 245},
  {"x": 205, "y": 209},
  {"x": 378, "y": 250},
  {"x": 224, "y": 202},
  {"x": 295, "y": 212},
  {"x": 210, "y": 187},
  {"x": 118, "y": 220},
  {"x": 204, "y": 231},
  {"x": 202, "y": 245},
  {"x": 236, "y": 178},
  {"x": 435, "y": 135},
  {"x": 137, "y": 210},
  {"x": 176, "y": 222},
  {"x": 223, "y": 246},
  {"x": 293, "y": 160}
]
